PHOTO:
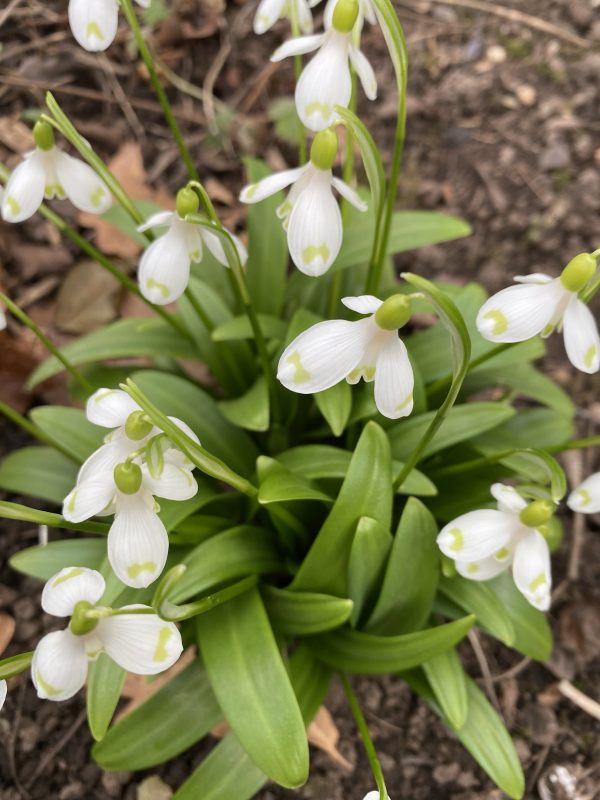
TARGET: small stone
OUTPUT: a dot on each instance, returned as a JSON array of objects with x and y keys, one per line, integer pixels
[
  {"x": 557, "y": 156},
  {"x": 113, "y": 782},
  {"x": 496, "y": 54},
  {"x": 446, "y": 773},
  {"x": 526, "y": 94},
  {"x": 154, "y": 788},
  {"x": 581, "y": 12},
  {"x": 72, "y": 791}
]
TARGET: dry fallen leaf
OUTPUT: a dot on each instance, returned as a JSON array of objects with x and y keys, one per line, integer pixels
[
  {"x": 323, "y": 733},
  {"x": 87, "y": 299},
  {"x": 220, "y": 730},
  {"x": 15, "y": 135},
  {"x": 137, "y": 689},
  {"x": 7, "y": 629}
]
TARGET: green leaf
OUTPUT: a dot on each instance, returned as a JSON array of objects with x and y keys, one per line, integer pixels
[
  {"x": 280, "y": 485},
  {"x": 26, "y": 514},
  {"x": 118, "y": 216},
  {"x": 365, "y": 492},
  {"x": 253, "y": 688},
  {"x": 541, "y": 427},
  {"x": 533, "y": 634},
  {"x": 447, "y": 678},
  {"x": 368, "y": 556},
  {"x": 136, "y": 336},
  {"x": 478, "y": 599},
  {"x": 38, "y": 472},
  {"x": 240, "y": 328},
  {"x": 251, "y": 410},
  {"x": 105, "y": 682},
  {"x": 367, "y": 654},
  {"x": 282, "y": 113},
  {"x": 411, "y": 576},
  {"x": 370, "y": 156},
  {"x": 335, "y": 405},
  {"x": 44, "y": 561},
  {"x": 266, "y": 268},
  {"x": 182, "y": 712},
  {"x": 304, "y": 613},
  {"x": 70, "y": 429},
  {"x": 9, "y": 667}
]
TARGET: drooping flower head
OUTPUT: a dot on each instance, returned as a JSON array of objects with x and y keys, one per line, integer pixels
[
  {"x": 164, "y": 269},
  {"x": 140, "y": 643},
  {"x": 310, "y": 213},
  {"x": 94, "y": 22},
  {"x": 485, "y": 543},
  {"x": 269, "y": 11},
  {"x": 48, "y": 172},
  {"x": 585, "y": 499},
  {"x": 540, "y": 305},
  {"x": 120, "y": 479},
  {"x": 337, "y": 350},
  {"x": 326, "y": 81}
]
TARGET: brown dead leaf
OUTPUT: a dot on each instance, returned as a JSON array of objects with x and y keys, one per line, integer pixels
[
  {"x": 7, "y": 629},
  {"x": 137, "y": 688},
  {"x": 323, "y": 733},
  {"x": 127, "y": 166},
  {"x": 87, "y": 299},
  {"x": 15, "y": 135},
  {"x": 220, "y": 730}
]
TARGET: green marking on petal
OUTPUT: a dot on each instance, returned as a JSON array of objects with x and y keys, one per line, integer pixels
[
  {"x": 13, "y": 205},
  {"x": 152, "y": 283},
  {"x": 537, "y": 582},
  {"x": 499, "y": 320},
  {"x": 590, "y": 356},
  {"x": 301, "y": 375},
  {"x": 458, "y": 540},
  {"x": 472, "y": 568},
  {"x": 93, "y": 654},
  {"x": 250, "y": 191},
  {"x": 503, "y": 553},
  {"x": 48, "y": 690},
  {"x": 584, "y": 497},
  {"x": 161, "y": 653},
  {"x": 93, "y": 30},
  {"x": 311, "y": 253},
  {"x": 72, "y": 573},
  {"x": 547, "y": 331},
  {"x": 136, "y": 569},
  {"x": 318, "y": 108},
  {"x": 367, "y": 373},
  {"x": 97, "y": 196},
  {"x": 72, "y": 500},
  {"x": 284, "y": 209},
  {"x": 405, "y": 403}
]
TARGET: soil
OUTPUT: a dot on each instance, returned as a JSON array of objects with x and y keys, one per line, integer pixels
[{"x": 502, "y": 130}]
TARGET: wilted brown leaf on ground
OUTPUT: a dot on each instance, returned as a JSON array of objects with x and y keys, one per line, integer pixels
[
  {"x": 88, "y": 298},
  {"x": 15, "y": 135},
  {"x": 7, "y": 629},
  {"x": 323, "y": 733}
]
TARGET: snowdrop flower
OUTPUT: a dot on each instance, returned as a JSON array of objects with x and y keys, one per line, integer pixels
[
  {"x": 485, "y": 543},
  {"x": 3, "y": 691},
  {"x": 48, "y": 172},
  {"x": 326, "y": 81},
  {"x": 375, "y": 796},
  {"x": 164, "y": 269},
  {"x": 541, "y": 304},
  {"x": 369, "y": 348},
  {"x": 94, "y": 22},
  {"x": 586, "y": 497},
  {"x": 269, "y": 11},
  {"x": 310, "y": 213},
  {"x": 139, "y": 642}
]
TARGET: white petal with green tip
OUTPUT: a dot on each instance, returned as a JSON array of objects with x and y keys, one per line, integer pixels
[
  {"x": 586, "y": 497},
  {"x": 59, "y": 666},
  {"x": 531, "y": 570},
  {"x": 140, "y": 643},
  {"x": 477, "y": 534},
  {"x": 519, "y": 312},
  {"x": 582, "y": 341},
  {"x": 81, "y": 184},
  {"x": 110, "y": 408},
  {"x": 315, "y": 226},
  {"x": 394, "y": 379},
  {"x": 24, "y": 191},
  {"x": 137, "y": 541},
  {"x": 94, "y": 23},
  {"x": 70, "y": 586}
]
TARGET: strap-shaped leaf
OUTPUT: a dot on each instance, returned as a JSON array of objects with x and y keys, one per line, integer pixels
[
  {"x": 105, "y": 682},
  {"x": 38, "y": 472},
  {"x": 365, "y": 653},
  {"x": 304, "y": 613},
  {"x": 178, "y": 715},
  {"x": 447, "y": 679},
  {"x": 9, "y": 667},
  {"x": 253, "y": 688},
  {"x": 366, "y": 492},
  {"x": 368, "y": 557},
  {"x": 533, "y": 634},
  {"x": 70, "y": 429},
  {"x": 251, "y": 411},
  {"x": 478, "y": 599},
  {"x": 280, "y": 485},
  {"x": 335, "y": 404},
  {"x": 44, "y": 561},
  {"x": 240, "y": 328}
]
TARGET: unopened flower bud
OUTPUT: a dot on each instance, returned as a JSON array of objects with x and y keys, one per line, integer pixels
[
  {"x": 187, "y": 202},
  {"x": 128, "y": 477},
  {"x": 80, "y": 622},
  {"x": 537, "y": 513},
  {"x": 393, "y": 313},
  {"x": 43, "y": 135},
  {"x": 345, "y": 15},
  {"x": 324, "y": 149},
  {"x": 578, "y": 272},
  {"x": 137, "y": 426}
]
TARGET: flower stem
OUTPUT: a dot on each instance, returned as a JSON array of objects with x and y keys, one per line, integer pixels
[
  {"x": 575, "y": 444},
  {"x": 295, "y": 24},
  {"x": 174, "y": 613},
  {"x": 33, "y": 429},
  {"x": 161, "y": 95},
  {"x": 442, "y": 383},
  {"x": 365, "y": 736},
  {"x": 29, "y": 323}
]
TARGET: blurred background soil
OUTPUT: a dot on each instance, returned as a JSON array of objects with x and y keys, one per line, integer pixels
[{"x": 503, "y": 129}]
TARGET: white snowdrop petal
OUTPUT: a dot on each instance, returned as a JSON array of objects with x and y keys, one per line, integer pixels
[
  {"x": 368, "y": 11},
  {"x": 519, "y": 312},
  {"x": 94, "y": 23},
  {"x": 586, "y": 497},
  {"x": 362, "y": 304},
  {"x": 164, "y": 269},
  {"x": 88, "y": 498},
  {"x": 305, "y": 20},
  {"x": 508, "y": 498},
  {"x": 3, "y": 322},
  {"x": 81, "y": 184},
  {"x": 477, "y": 534},
  {"x": 183, "y": 426},
  {"x": 59, "y": 665},
  {"x": 365, "y": 72},
  {"x": 298, "y": 46},
  {"x": 325, "y": 82},
  {"x": 255, "y": 192},
  {"x": 193, "y": 238},
  {"x": 144, "y": 3},
  {"x": 110, "y": 407},
  {"x": 140, "y": 643},
  {"x": 582, "y": 341},
  {"x": 241, "y": 249},
  {"x": 267, "y": 14},
  {"x": 106, "y": 458},
  {"x": 174, "y": 483},
  {"x": 214, "y": 245},
  {"x": 315, "y": 227},
  {"x": 349, "y": 194},
  {"x": 68, "y": 587},
  {"x": 157, "y": 220},
  {"x": 24, "y": 191},
  {"x": 532, "y": 571},
  {"x": 3, "y": 691},
  {"x": 534, "y": 277},
  {"x": 483, "y": 570},
  {"x": 394, "y": 379},
  {"x": 137, "y": 542},
  {"x": 323, "y": 355}
]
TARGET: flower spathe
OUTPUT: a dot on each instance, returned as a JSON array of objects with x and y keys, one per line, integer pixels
[
  {"x": 540, "y": 304},
  {"x": 140, "y": 643},
  {"x": 337, "y": 350},
  {"x": 485, "y": 543},
  {"x": 269, "y": 11},
  {"x": 137, "y": 540},
  {"x": 94, "y": 22},
  {"x": 585, "y": 499}
]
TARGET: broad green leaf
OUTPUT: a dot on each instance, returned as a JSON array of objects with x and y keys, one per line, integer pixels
[
  {"x": 533, "y": 634},
  {"x": 532, "y": 427},
  {"x": 38, "y": 472},
  {"x": 26, "y": 514},
  {"x": 461, "y": 423},
  {"x": 44, "y": 561},
  {"x": 174, "y": 512},
  {"x": 365, "y": 492},
  {"x": 253, "y": 688},
  {"x": 105, "y": 682},
  {"x": 304, "y": 613},
  {"x": 136, "y": 336},
  {"x": 266, "y": 268},
  {"x": 251, "y": 410},
  {"x": 335, "y": 405},
  {"x": 279, "y": 485},
  {"x": 368, "y": 556},
  {"x": 240, "y": 328},
  {"x": 367, "y": 654},
  {"x": 176, "y": 717},
  {"x": 411, "y": 575},
  {"x": 477, "y": 598},
  {"x": 70, "y": 429},
  {"x": 447, "y": 679}
]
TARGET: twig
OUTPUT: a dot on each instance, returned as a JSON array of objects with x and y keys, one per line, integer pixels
[
  {"x": 11, "y": 744},
  {"x": 53, "y": 751},
  {"x": 8, "y": 11},
  {"x": 121, "y": 96},
  {"x": 488, "y": 680},
  {"x": 587, "y": 704},
  {"x": 513, "y": 671}
]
